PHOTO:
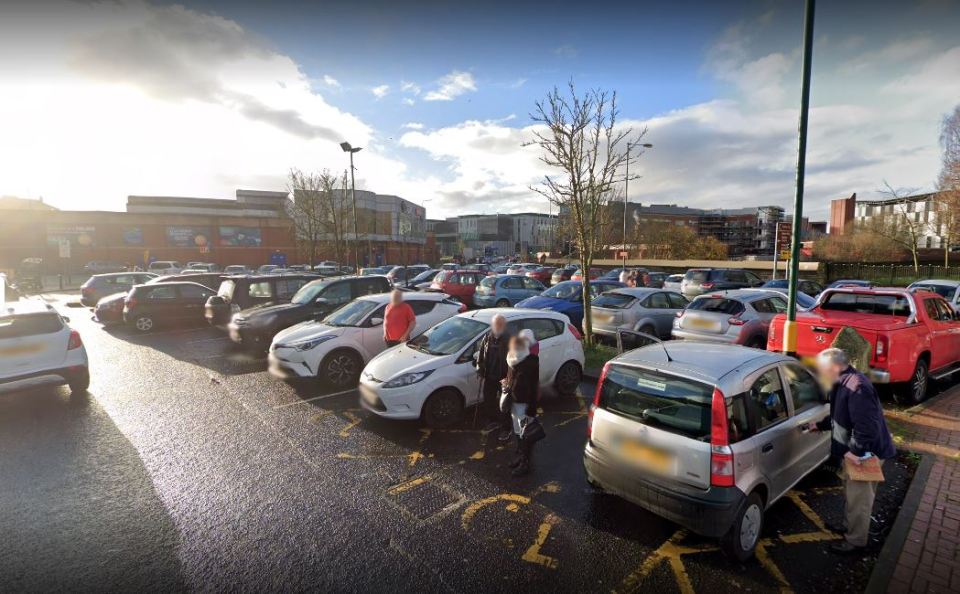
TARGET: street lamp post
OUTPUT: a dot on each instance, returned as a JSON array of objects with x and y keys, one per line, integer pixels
[
  {"x": 626, "y": 190},
  {"x": 353, "y": 194}
]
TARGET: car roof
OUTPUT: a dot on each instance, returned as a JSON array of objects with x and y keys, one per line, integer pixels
[
  {"x": 744, "y": 294},
  {"x": 113, "y": 274},
  {"x": 25, "y": 307},
  {"x": 708, "y": 362},
  {"x": 510, "y": 313},
  {"x": 638, "y": 291},
  {"x": 410, "y": 296},
  {"x": 935, "y": 281}
]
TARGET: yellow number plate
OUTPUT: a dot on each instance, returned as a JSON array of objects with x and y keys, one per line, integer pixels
[
  {"x": 653, "y": 459},
  {"x": 702, "y": 324},
  {"x": 24, "y": 349}
]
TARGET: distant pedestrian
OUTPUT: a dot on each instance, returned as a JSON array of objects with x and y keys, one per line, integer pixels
[
  {"x": 492, "y": 369},
  {"x": 858, "y": 430},
  {"x": 632, "y": 279},
  {"x": 624, "y": 276},
  {"x": 398, "y": 320},
  {"x": 522, "y": 385}
]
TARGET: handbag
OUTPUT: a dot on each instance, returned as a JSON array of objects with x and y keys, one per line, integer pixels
[
  {"x": 506, "y": 401},
  {"x": 531, "y": 429}
]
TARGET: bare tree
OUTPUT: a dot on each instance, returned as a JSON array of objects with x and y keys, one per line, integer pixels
[
  {"x": 319, "y": 211},
  {"x": 899, "y": 222},
  {"x": 948, "y": 183},
  {"x": 578, "y": 137}
]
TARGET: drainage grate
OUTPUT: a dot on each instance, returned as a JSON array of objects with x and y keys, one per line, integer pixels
[{"x": 422, "y": 498}]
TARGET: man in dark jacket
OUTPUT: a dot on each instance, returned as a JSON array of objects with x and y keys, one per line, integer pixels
[
  {"x": 492, "y": 368},
  {"x": 858, "y": 429}
]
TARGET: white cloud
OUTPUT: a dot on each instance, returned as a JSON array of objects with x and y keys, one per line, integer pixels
[
  {"x": 413, "y": 126},
  {"x": 331, "y": 82},
  {"x": 408, "y": 101},
  {"x": 566, "y": 51},
  {"x": 409, "y": 87},
  {"x": 518, "y": 83},
  {"x": 380, "y": 91},
  {"x": 451, "y": 86}
]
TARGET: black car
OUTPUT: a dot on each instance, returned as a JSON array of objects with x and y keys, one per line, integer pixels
[
  {"x": 655, "y": 280},
  {"x": 562, "y": 274},
  {"x": 257, "y": 326},
  {"x": 149, "y": 306},
  {"x": 808, "y": 287},
  {"x": 100, "y": 285},
  {"x": 698, "y": 281},
  {"x": 237, "y": 293},
  {"x": 109, "y": 309},
  {"x": 207, "y": 279}
]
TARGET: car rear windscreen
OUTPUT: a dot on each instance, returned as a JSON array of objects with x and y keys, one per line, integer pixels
[
  {"x": 697, "y": 276},
  {"x": 29, "y": 325},
  {"x": 658, "y": 400},
  {"x": 889, "y": 305},
  {"x": 716, "y": 305}
]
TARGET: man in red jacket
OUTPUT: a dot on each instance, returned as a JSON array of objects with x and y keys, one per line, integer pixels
[{"x": 398, "y": 320}]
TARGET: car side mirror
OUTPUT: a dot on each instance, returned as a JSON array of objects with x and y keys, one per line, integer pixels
[
  {"x": 66, "y": 320},
  {"x": 376, "y": 321},
  {"x": 321, "y": 301}
]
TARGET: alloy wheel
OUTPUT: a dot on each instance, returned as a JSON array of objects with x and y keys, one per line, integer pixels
[{"x": 341, "y": 369}]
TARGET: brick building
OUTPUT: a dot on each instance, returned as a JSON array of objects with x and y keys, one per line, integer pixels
[{"x": 842, "y": 213}]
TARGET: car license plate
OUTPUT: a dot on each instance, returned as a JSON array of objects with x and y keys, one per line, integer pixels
[
  {"x": 701, "y": 324},
  {"x": 603, "y": 318},
  {"x": 647, "y": 457},
  {"x": 22, "y": 349}
]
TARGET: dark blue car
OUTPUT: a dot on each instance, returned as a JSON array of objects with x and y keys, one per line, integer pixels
[
  {"x": 803, "y": 285},
  {"x": 567, "y": 298}
]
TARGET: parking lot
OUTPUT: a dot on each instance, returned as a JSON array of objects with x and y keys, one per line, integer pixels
[{"x": 188, "y": 465}]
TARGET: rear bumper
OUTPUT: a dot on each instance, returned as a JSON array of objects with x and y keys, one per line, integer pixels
[
  {"x": 703, "y": 336},
  {"x": 486, "y": 300},
  {"x": 709, "y": 513},
  {"x": 879, "y": 376},
  {"x": 61, "y": 375}
]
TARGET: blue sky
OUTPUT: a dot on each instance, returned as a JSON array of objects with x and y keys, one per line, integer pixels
[{"x": 130, "y": 97}]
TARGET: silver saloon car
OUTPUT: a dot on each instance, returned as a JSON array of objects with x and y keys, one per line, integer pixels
[
  {"x": 705, "y": 435},
  {"x": 650, "y": 311},
  {"x": 740, "y": 317}
]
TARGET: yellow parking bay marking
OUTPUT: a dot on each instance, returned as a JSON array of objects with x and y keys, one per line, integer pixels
[
  {"x": 476, "y": 506},
  {"x": 406, "y": 486},
  {"x": 767, "y": 563},
  {"x": 671, "y": 552},
  {"x": 315, "y": 398},
  {"x": 532, "y": 554},
  {"x": 354, "y": 421}
]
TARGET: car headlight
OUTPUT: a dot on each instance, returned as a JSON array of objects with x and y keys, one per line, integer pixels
[
  {"x": 308, "y": 344},
  {"x": 407, "y": 379}
]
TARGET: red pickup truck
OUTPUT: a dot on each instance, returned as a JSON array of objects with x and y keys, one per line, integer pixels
[{"x": 913, "y": 335}]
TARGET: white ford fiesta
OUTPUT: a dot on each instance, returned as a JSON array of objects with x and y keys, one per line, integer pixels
[
  {"x": 336, "y": 348},
  {"x": 432, "y": 377}
]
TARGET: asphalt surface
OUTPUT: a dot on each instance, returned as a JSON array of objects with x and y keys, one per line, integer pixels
[{"x": 188, "y": 467}]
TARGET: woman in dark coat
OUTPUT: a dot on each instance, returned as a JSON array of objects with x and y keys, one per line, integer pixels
[{"x": 523, "y": 385}]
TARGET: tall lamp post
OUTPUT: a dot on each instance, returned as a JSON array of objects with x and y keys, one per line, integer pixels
[
  {"x": 626, "y": 189},
  {"x": 353, "y": 194}
]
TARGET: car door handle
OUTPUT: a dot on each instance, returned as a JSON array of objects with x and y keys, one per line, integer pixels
[{"x": 766, "y": 448}]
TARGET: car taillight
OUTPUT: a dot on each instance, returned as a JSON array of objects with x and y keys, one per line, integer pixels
[
  {"x": 130, "y": 302},
  {"x": 680, "y": 313},
  {"x": 575, "y": 332},
  {"x": 882, "y": 348},
  {"x": 736, "y": 321},
  {"x": 596, "y": 398},
  {"x": 721, "y": 456},
  {"x": 74, "y": 342},
  {"x": 707, "y": 285},
  {"x": 86, "y": 290},
  {"x": 463, "y": 308}
]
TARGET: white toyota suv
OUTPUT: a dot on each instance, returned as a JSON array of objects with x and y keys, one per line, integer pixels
[{"x": 38, "y": 347}]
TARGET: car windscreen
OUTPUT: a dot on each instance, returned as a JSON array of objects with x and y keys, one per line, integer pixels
[
  {"x": 424, "y": 276},
  {"x": 614, "y": 300},
  {"x": 226, "y": 289},
  {"x": 447, "y": 337},
  {"x": 666, "y": 402},
  {"x": 697, "y": 276},
  {"x": 489, "y": 282},
  {"x": 716, "y": 305},
  {"x": 309, "y": 292},
  {"x": 352, "y": 313},
  {"x": 563, "y": 291},
  {"x": 945, "y": 291},
  {"x": 29, "y": 325},
  {"x": 442, "y": 276},
  {"x": 888, "y": 305}
]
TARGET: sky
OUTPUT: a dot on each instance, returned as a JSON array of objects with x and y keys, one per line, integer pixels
[{"x": 102, "y": 100}]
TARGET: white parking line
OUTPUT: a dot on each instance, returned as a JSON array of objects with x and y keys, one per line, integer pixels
[{"x": 325, "y": 396}]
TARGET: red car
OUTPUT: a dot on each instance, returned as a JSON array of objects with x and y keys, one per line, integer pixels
[
  {"x": 913, "y": 335},
  {"x": 459, "y": 284},
  {"x": 542, "y": 274},
  {"x": 595, "y": 273}
]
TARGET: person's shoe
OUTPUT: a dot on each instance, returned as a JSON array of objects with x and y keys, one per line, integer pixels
[
  {"x": 844, "y": 548},
  {"x": 836, "y": 528},
  {"x": 516, "y": 462},
  {"x": 522, "y": 468},
  {"x": 505, "y": 434}
]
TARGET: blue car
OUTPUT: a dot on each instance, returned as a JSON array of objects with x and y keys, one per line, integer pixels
[
  {"x": 506, "y": 290},
  {"x": 567, "y": 298},
  {"x": 808, "y": 287}
]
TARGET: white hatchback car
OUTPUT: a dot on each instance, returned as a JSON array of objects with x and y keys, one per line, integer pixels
[
  {"x": 338, "y": 347},
  {"x": 432, "y": 377},
  {"x": 38, "y": 347}
]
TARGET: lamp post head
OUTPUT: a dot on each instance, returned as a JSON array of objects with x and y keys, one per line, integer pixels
[{"x": 349, "y": 149}]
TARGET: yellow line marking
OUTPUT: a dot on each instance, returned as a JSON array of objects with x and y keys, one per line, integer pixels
[
  {"x": 532, "y": 554},
  {"x": 348, "y": 456},
  {"x": 476, "y": 506},
  {"x": 807, "y": 511},
  {"x": 416, "y": 455},
  {"x": 671, "y": 551},
  {"x": 316, "y": 418},
  {"x": 354, "y": 421},
  {"x": 808, "y": 537},
  {"x": 576, "y": 416},
  {"x": 401, "y": 487},
  {"x": 767, "y": 563},
  {"x": 551, "y": 487}
]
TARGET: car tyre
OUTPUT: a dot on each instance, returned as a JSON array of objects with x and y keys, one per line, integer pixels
[
  {"x": 341, "y": 369},
  {"x": 915, "y": 390},
  {"x": 742, "y": 538},
  {"x": 757, "y": 342},
  {"x": 442, "y": 409},
  {"x": 79, "y": 384},
  {"x": 503, "y": 303},
  {"x": 647, "y": 329},
  {"x": 568, "y": 378},
  {"x": 143, "y": 324}
]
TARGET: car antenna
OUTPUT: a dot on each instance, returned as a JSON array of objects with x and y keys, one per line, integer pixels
[{"x": 666, "y": 352}]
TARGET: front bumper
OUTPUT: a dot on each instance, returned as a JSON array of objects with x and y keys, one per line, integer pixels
[
  {"x": 287, "y": 366},
  {"x": 709, "y": 513},
  {"x": 485, "y": 300},
  {"x": 245, "y": 335},
  {"x": 393, "y": 403}
]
